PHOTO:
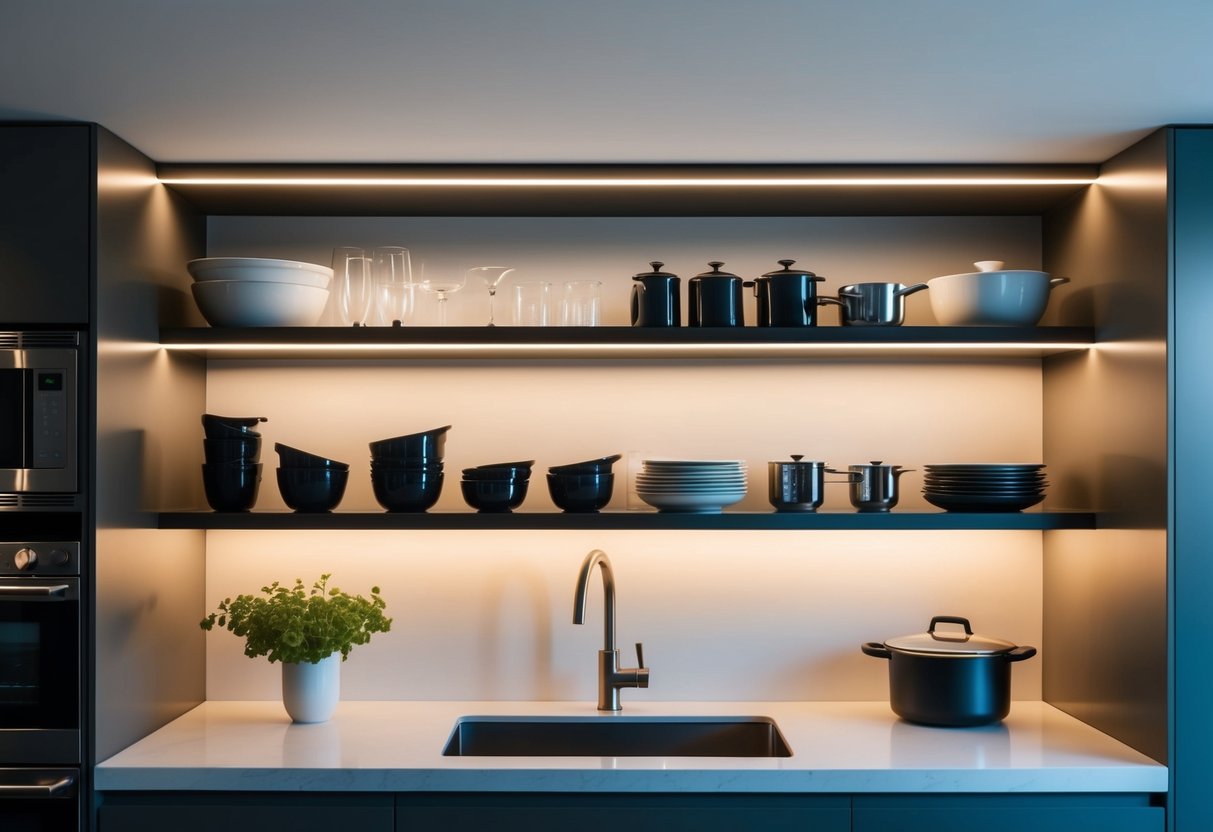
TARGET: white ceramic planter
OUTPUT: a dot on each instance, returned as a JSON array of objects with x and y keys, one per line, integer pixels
[{"x": 310, "y": 692}]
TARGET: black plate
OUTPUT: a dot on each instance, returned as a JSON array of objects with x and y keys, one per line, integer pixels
[{"x": 966, "y": 503}]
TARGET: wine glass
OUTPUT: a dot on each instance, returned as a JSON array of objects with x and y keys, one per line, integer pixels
[
  {"x": 436, "y": 280},
  {"x": 492, "y": 277},
  {"x": 353, "y": 284},
  {"x": 393, "y": 275}
]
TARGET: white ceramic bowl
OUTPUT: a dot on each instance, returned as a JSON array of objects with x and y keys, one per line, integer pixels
[
  {"x": 261, "y": 269},
  {"x": 991, "y": 297},
  {"x": 258, "y": 303}
]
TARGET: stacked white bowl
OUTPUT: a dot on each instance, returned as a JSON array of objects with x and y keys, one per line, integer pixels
[{"x": 259, "y": 291}]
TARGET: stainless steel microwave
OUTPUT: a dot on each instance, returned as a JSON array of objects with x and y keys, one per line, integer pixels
[{"x": 38, "y": 415}]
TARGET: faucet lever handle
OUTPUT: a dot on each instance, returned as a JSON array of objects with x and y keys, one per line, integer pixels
[{"x": 639, "y": 655}]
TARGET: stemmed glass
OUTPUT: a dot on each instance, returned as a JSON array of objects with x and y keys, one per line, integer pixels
[
  {"x": 442, "y": 282},
  {"x": 492, "y": 277},
  {"x": 393, "y": 273},
  {"x": 354, "y": 285}
]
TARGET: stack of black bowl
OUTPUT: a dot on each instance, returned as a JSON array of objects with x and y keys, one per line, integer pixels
[
  {"x": 310, "y": 483},
  {"x": 496, "y": 488},
  {"x": 406, "y": 471},
  {"x": 232, "y": 471},
  {"x": 583, "y": 486}
]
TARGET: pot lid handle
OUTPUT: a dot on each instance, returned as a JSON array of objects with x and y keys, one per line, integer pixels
[
  {"x": 989, "y": 265},
  {"x": 797, "y": 457},
  {"x": 656, "y": 271},
  {"x": 949, "y": 619},
  {"x": 788, "y": 271}
]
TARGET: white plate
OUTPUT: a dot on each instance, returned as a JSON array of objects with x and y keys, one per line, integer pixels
[
  {"x": 684, "y": 502},
  {"x": 694, "y": 463}
]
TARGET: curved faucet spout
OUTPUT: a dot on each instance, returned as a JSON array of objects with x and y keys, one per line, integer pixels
[
  {"x": 611, "y": 677},
  {"x": 597, "y": 558}
]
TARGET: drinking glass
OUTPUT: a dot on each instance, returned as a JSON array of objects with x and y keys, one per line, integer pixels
[
  {"x": 492, "y": 277},
  {"x": 354, "y": 285},
  {"x": 393, "y": 273},
  {"x": 581, "y": 303},
  {"x": 441, "y": 282},
  {"x": 531, "y": 303}
]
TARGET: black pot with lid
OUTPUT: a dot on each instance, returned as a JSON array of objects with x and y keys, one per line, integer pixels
[
  {"x": 950, "y": 678},
  {"x": 716, "y": 298},
  {"x": 787, "y": 296},
  {"x": 656, "y": 297}
]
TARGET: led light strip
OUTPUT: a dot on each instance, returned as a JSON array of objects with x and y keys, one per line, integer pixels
[
  {"x": 637, "y": 349},
  {"x": 613, "y": 182}
]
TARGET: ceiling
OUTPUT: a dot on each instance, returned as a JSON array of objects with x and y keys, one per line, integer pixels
[{"x": 799, "y": 81}]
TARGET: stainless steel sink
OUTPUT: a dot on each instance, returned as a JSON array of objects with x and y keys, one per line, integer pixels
[{"x": 616, "y": 736}]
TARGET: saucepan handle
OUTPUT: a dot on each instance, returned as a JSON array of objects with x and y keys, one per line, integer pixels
[
  {"x": 876, "y": 649},
  {"x": 1021, "y": 653},
  {"x": 1054, "y": 282}
]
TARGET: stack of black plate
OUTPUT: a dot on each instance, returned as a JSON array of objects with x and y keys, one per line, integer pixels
[{"x": 1009, "y": 486}]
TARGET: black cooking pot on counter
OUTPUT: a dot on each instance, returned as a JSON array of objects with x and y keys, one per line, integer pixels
[{"x": 953, "y": 679}]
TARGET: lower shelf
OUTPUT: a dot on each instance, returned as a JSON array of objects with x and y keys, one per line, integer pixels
[{"x": 640, "y": 520}]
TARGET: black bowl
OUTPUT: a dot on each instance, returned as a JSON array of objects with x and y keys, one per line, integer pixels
[
  {"x": 407, "y": 465},
  {"x": 246, "y": 451},
  {"x": 230, "y": 427},
  {"x": 289, "y": 457},
  {"x": 494, "y": 496},
  {"x": 423, "y": 445},
  {"x": 406, "y": 491},
  {"x": 231, "y": 487},
  {"x": 590, "y": 466},
  {"x": 310, "y": 490},
  {"x": 581, "y": 492},
  {"x": 494, "y": 472}
]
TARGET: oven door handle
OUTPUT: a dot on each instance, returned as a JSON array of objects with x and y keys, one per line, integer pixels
[
  {"x": 54, "y": 592},
  {"x": 38, "y": 790}
]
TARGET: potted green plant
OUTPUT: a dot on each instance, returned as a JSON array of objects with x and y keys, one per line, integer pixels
[{"x": 306, "y": 630}]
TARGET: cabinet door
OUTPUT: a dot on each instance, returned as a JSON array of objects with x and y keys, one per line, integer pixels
[
  {"x": 615, "y": 812},
  {"x": 1004, "y": 813},
  {"x": 209, "y": 812},
  {"x": 46, "y": 188}
]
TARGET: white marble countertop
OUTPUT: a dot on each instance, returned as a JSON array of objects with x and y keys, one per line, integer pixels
[{"x": 837, "y": 747}]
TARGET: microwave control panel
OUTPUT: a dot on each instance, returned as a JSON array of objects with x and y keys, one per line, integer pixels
[{"x": 49, "y": 415}]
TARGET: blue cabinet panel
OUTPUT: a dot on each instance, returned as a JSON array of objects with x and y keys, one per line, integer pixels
[
  {"x": 612, "y": 813},
  {"x": 1003, "y": 813}
]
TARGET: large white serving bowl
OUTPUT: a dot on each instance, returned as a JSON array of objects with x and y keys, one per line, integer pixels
[
  {"x": 260, "y": 269},
  {"x": 259, "y": 303},
  {"x": 991, "y": 297}
]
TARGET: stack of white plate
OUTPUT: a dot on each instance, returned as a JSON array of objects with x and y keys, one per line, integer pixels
[
  {"x": 704, "y": 486},
  {"x": 258, "y": 291}
]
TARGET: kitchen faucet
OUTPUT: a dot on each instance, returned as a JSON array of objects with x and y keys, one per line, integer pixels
[{"x": 611, "y": 677}]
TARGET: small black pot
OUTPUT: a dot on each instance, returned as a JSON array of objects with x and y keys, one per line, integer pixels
[{"x": 942, "y": 679}]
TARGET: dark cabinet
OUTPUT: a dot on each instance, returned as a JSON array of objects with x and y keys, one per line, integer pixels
[
  {"x": 611, "y": 812},
  {"x": 240, "y": 812},
  {"x": 46, "y": 222},
  {"x": 1006, "y": 813}
]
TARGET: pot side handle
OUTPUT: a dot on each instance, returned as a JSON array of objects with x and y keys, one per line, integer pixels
[
  {"x": 1054, "y": 282},
  {"x": 1021, "y": 653},
  {"x": 878, "y": 650}
]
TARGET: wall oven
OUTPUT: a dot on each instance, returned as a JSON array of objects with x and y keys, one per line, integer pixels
[
  {"x": 41, "y": 689},
  {"x": 38, "y": 420}
]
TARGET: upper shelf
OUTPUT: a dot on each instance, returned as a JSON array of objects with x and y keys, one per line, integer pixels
[
  {"x": 627, "y": 342},
  {"x": 624, "y": 190}
]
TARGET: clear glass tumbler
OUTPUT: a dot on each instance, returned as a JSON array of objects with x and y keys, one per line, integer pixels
[
  {"x": 393, "y": 274},
  {"x": 353, "y": 285},
  {"x": 581, "y": 303},
  {"x": 531, "y": 303}
]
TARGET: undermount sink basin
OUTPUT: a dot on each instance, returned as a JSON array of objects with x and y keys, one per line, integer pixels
[{"x": 616, "y": 736}]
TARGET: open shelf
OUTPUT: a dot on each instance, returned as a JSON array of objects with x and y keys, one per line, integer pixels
[
  {"x": 636, "y": 520},
  {"x": 626, "y": 342}
]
